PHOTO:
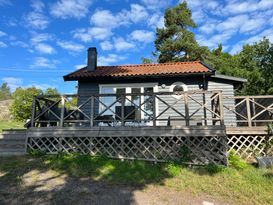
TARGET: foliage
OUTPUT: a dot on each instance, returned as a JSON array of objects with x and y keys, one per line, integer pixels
[
  {"x": 214, "y": 168},
  {"x": 51, "y": 91},
  {"x": 184, "y": 154},
  {"x": 21, "y": 106},
  {"x": 254, "y": 62},
  {"x": 146, "y": 60},
  {"x": 176, "y": 42},
  {"x": 5, "y": 93},
  {"x": 235, "y": 161}
]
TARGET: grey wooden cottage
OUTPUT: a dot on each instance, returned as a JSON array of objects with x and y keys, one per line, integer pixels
[{"x": 151, "y": 78}]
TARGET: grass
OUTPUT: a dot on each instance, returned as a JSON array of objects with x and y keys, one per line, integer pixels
[
  {"x": 247, "y": 185},
  {"x": 10, "y": 124}
]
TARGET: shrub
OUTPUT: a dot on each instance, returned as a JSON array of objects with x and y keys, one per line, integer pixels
[
  {"x": 235, "y": 161},
  {"x": 21, "y": 106}
]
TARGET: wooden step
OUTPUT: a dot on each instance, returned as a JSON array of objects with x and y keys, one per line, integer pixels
[
  {"x": 12, "y": 153},
  {"x": 12, "y": 145},
  {"x": 12, "y": 136}
]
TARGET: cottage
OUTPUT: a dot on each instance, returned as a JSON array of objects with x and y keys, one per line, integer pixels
[
  {"x": 154, "y": 112},
  {"x": 152, "y": 78}
]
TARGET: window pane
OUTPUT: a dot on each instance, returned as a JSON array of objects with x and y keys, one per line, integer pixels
[
  {"x": 148, "y": 106},
  {"x": 178, "y": 88}
]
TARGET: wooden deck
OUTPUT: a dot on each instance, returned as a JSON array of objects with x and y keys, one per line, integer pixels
[{"x": 197, "y": 127}]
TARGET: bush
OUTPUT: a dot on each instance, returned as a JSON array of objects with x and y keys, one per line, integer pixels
[
  {"x": 235, "y": 161},
  {"x": 21, "y": 106}
]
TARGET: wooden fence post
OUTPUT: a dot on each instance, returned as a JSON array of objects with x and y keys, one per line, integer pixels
[
  {"x": 221, "y": 107},
  {"x": 122, "y": 109},
  {"x": 204, "y": 108},
  {"x": 248, "y": 112},
  {"x": 92, "y": 111},
  {"x": 154, "y": 110},
  {"x": 62, "y": 111},
  {"x": 33, "y": 112},
  {"x": 187, "y": 114}
]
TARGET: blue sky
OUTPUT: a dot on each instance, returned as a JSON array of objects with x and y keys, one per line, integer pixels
[{"x": 40, "y": 41}]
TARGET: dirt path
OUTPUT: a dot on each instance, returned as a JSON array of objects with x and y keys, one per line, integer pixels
[{"x": 49, "y": 187}]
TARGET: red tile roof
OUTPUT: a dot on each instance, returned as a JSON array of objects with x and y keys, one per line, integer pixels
[{"x": 177, "y": 68}]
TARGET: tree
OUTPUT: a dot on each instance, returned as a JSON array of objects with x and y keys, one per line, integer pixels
[
  {"x": 146, "y": 60},
  {"x": 176, "y": 42},
  {"x": 5, "y": 93},
  {"x": 51, "y": 91},
  {"x": 21, "y": 106},
  {"x": 257, "y": 61}
]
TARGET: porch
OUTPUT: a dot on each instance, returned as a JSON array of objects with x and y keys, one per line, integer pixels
[{"x": 201, "y": 126}]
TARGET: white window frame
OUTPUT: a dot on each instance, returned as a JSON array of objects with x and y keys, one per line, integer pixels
[
  {"x": 128, "y": 89},
  {"x": 185, "y": 88}
]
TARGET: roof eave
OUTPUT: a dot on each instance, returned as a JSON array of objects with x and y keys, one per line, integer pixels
[{"x": 67, "y": 78}]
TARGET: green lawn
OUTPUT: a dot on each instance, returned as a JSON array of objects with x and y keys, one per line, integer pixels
[
  {"x": 10, "y": 124},
  {"x": 247, "y": 185}
]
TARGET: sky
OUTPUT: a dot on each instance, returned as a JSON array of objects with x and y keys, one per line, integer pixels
[{"x": 42, "y": 40}]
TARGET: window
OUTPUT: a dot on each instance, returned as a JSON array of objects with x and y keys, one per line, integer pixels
[
  {"x": 178, "y": 87},
  {"x": 142, "y": 102}
]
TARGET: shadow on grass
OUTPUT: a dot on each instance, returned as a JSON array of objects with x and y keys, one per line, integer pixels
[{"x": 75, "y": 179}]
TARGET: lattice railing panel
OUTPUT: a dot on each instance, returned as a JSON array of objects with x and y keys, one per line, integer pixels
[
  {"x": 195, "y": 149},
  {"x": 250, "y": 146}
]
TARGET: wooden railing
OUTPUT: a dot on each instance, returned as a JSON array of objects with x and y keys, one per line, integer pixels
[
  {"x": 248, "y": 111},
  {"x": 137, "y": 109}
]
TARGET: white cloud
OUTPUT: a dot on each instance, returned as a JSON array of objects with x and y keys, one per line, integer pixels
[
  {"x": 2, "y": 33},
  {"x": 156, "y": 20},
  {"x": 268, "y": 33},
  {"x": 253, "y": 25},
  {"x": 3, "y": 45},
  {"x": 5, "y": 2},
  {"x": 20, "y": 44},
  {"x": 156, "y": 4},
  {"x": 80, "y": 66},
  {"x": 109, "y": 59},
  {"x": 41, "y": 62},
  {"x": 12, "y": 82},
  {"x": 121, "y": 45},
  {"x": 137, "y": 13},
  {"x": 44, "y": 48},
  {"x": 143, "y": 36},
  {"x": 237, "y": 7},
  {"x": 105, "y": 18},
  {"x": 70, "y": 46},
  {"x": 232, "y": 24},
  {"x": 106, "y": 45},
  {"x": 40, "y": 37},
  {"x": 37, "y": 5},
  {"x": 86, "y": 35},
  {"x": 70, "y": 8},
  {"x": 37, "y": 19}
]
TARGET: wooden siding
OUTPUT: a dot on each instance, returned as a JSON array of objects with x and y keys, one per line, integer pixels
[
  {"x": 192, "y": 83},
  {"x": 87, "y": 88},
  {"x": 227, "y": 90}
]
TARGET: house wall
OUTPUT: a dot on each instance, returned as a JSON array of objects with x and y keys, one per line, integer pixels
[
  {"x": 192, "y": 83},
  {"x": 85, "y": 89}
]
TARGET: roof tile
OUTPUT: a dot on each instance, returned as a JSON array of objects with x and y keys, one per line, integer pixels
[{"x": 140, "y": 70}]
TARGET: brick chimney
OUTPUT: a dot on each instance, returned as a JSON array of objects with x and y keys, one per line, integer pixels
[{"x": 92, "y": 59}]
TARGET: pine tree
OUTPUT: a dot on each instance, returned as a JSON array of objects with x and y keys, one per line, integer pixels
[{"x": 176, "y": 42}]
